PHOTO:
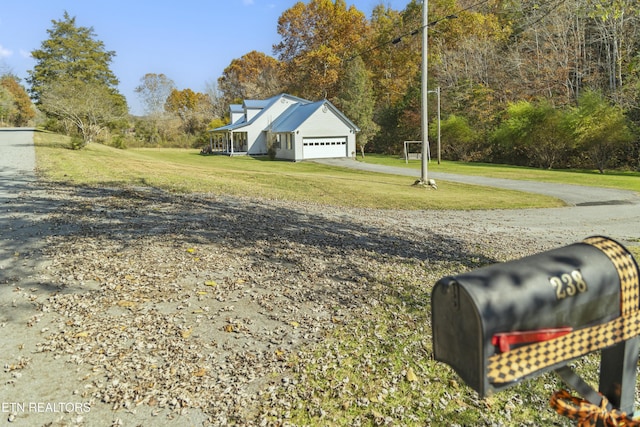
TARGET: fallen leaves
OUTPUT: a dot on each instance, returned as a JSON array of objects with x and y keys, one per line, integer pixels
[
  {"x": 200, "y": 372},
  {"x": 411, "y": 375},
  {"x": 126, "y": 304},
  {"x": 278, "y": 291},
  {"x": 22, "y": 363}
]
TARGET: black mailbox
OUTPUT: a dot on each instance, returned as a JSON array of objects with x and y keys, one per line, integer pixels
[{"x": 498, "y": 325}]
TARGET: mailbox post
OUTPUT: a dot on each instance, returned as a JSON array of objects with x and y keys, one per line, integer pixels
[
  {"x": 505, "y": 323},
  {"x": 618, "y": 374}
]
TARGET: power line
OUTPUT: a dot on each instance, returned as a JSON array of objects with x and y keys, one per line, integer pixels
[
  {"x": 414, "y": 32},
  {"x": 552, "y": 6}
]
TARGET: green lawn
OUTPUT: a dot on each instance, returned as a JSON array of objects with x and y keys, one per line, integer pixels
[
  {"x": 611, "y": 179},
  {"x": 184, "y": 170}
]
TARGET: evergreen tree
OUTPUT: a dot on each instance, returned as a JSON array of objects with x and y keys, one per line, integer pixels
[
  {"x": 356, "y": 99},
  {"x": 71, "y": 52},
  {"x": 73, "y": 83}
]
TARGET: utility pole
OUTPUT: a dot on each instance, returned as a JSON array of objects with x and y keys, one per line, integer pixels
[
  {"x": 425, "y": 93},
  {"x": 439, "y": 133}
]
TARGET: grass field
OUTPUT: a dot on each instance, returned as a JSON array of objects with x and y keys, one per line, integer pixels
[
  {"x": 396, "y": 333},
  {"x": 183, "y": 170},
  {"x": 623, "y": 180}
]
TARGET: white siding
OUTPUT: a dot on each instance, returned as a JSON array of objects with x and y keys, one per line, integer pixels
[
  {"x": 252, "y": 112},
  {"x": 257, "y": 130},
  {"x": 324, "y": 124},
  {"x": 236, "y": 112},
  {"x": 287, "y": 147}
]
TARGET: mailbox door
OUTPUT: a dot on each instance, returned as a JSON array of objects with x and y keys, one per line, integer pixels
[{"x": 457, "y": 332}]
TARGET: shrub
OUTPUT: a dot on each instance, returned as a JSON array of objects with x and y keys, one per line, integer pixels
[{"x": 600, "y": 129}]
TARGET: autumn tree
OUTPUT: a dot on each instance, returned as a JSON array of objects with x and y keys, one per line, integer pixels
[
  {"x": 253, "y": 76},
  {"x": 467, "y": 62},
  {"x": 192, "y": 108},
  {"x": 614, "y": 41},
  {"x": 19, "y": 109},
  {"x": 544, "y": 55},
  {"x": 153, "y": 90},
  {"x": 390, "y": 51},
  {"x": 464, "y": 48},
  {"x": 316, "y": 39},
  {"x": 6, "y": 106}
]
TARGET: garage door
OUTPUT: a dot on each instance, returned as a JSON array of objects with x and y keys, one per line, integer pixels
[{"x": 322, "y": 148}]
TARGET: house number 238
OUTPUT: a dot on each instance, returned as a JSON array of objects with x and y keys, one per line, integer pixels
[{"x": 568, "y": 284}]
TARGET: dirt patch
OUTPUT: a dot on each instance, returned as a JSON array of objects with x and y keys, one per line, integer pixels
[{"x": 138, "y": 307}]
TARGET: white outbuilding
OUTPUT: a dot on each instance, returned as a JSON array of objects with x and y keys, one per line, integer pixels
[{"x": 293, "y": 128}]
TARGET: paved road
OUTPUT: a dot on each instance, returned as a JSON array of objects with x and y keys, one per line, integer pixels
[
  {"x": 17, "y": 157},
  {"x": 20, "y": 222},
  {"x": 590, "y": 210}
]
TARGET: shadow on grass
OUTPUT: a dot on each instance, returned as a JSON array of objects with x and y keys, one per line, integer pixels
[{"x": 35, "y": 210}]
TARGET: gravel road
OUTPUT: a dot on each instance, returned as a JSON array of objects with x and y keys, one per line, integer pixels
[
  {"x": 138, "y": 307},
  {"x": 590, "y": 210}
]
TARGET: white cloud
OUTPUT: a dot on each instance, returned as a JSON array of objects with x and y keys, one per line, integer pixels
[
  {"x": 25, "y": 54},
  {"x": 4, "y": 52}
]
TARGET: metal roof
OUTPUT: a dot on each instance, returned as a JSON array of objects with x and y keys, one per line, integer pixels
[
  {"x": 257, "y": 103},
  {"x": 231, "y": 126},
  {"x": 290, "y": 119},
  {"x": 294, "y": 116}
]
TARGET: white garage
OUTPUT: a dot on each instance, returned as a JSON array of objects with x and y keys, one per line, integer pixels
[
  {"x": 323, "y": 148},
  {"x": 286, "y": 127}
]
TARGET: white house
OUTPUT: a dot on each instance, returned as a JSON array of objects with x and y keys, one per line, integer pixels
[{"x": 296, "y": 128}]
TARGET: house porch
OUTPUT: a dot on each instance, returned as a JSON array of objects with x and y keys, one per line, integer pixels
[{"x": 228, "y": 143}]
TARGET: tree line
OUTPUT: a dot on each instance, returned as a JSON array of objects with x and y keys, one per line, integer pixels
[
  {"x": 551, "y": 84},
  {"x": 544, "y": 83}
]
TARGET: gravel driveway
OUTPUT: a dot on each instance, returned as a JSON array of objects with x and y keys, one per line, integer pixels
[
  {"x": 138, "y": 307},
  {"x": 590, "y": 210}
]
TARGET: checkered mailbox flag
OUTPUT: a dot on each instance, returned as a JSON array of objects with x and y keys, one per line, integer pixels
[{"x": 504, "y": 323}]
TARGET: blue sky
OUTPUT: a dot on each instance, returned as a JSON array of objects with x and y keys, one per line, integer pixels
[{"x": 190, "y": 41}]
